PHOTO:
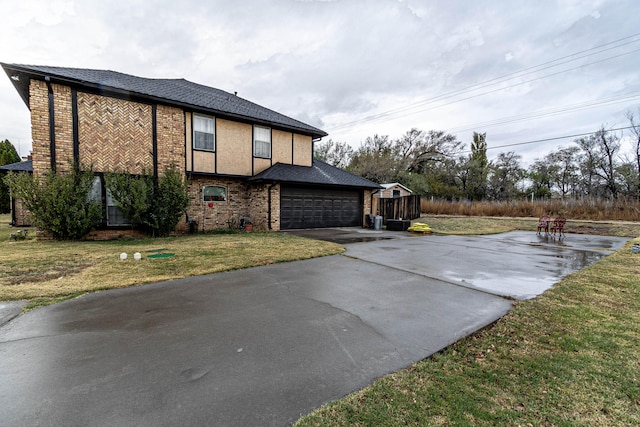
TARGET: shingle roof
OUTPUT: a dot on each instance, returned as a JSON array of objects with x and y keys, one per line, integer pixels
[
  {"x": 320, "y": 173},
  {"x": 26, "y": 166},
  {"x": 178, "y": 92}
]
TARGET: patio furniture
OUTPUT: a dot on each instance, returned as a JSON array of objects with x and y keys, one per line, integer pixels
[
  {"x": 558, "y": 226},
  {"x": 543, "y": 224}
]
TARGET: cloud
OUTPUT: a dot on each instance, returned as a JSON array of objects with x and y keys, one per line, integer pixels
[{"x": 331, "y": 63}]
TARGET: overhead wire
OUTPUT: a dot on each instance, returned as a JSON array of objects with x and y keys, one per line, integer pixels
[
  {"x": 500, "y": 80},
  {"x": 548, "y": 112},
  {"x": 379, "y": 118},
  {"x": 555, "y": 138}
]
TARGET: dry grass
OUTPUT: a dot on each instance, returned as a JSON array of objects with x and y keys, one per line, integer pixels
[
  {"x": 598, "y": 210},
  {"x": 447, "y": 224},
  {"x": 49, "y": 270}
]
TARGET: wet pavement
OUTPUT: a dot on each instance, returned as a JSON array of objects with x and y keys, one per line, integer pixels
[
  {"x": 9, "y": 310},
  {"x": 265, "y": 345},
  {"x": 517, "y": 264}
]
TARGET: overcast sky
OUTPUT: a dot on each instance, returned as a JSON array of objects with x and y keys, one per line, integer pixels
[{"x": 518, "y": 70}]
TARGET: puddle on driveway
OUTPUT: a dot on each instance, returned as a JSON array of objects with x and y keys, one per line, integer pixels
[
  {"x": 347, "y": 240},
  {"x": 345, "y": 236},
  {"x": 527, "y": 273},
  {"x": 521, "y": 286},
  {"x": 517, "y": 265}
]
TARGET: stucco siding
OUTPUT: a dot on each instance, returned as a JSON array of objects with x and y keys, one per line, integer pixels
[
  {"x": 282, "y": 147},
  {"x": 302, "y": 150},
  {"x": 234, "y": 147}
]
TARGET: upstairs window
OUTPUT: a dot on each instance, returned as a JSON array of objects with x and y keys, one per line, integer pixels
[
  {"x": 204, "y": 133},
  {"x": 262, "y": 142}
]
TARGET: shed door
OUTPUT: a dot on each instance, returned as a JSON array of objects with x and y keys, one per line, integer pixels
[{"x": 302, "y": 207}]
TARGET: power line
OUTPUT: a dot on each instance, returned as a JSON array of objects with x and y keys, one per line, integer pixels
[
  {"x": 545, "y": 140},
  {"x": 548, "y": 112},
  {"x": 498, "y": 80},
  {"x": 491, "y": 91}
]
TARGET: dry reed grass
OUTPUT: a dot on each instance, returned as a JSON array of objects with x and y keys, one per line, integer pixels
[{"x": 599, "y": 210}]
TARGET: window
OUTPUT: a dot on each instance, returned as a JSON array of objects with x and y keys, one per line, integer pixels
[
  {"x": 96, "y": 190},
  {"x": 114, "y": 215},
  {"x": 262, "y": 142},
  {"x": 396, "y": 194},
  {"x": 204, "y": 133},
  {"x": 214, "y": 193}
]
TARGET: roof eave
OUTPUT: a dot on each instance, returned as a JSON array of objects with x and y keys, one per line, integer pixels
[{"x": 23, "y": 90}]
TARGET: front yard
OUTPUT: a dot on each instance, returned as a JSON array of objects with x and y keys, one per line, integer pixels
[
  {"x": 568, "y": 357},
  {"x": 44, "y": 272}
]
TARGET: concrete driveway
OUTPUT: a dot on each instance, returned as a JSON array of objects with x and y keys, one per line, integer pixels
[{"x": 263, "y": 346}]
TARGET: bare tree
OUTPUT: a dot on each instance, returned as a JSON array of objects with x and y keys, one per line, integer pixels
[
  {"x": 376, "y": 160},
  {"x": 417, "y": 150},
  {"x": 505, "y": 173},
  {"x": 564, "y": 172},
  {"x": 635, "y": 132},
  {"x": 540, "y": 174},
  {"x": 601, "y": 150},
  {"x": 335, "y": 153}
]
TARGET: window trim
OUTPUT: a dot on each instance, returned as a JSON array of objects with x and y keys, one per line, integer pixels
[
  {"x": 226, "y": 194},
  {"x": 193, "y": 132},
  {"x": 255, "y": 154}
]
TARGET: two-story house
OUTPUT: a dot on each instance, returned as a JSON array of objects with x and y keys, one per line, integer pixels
[{"x": 241, "y": 160}]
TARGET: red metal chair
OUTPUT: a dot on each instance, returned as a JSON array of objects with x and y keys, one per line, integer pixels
[
  {"x": 558, "y": 226},
  {"x": 543, "y": 224}
]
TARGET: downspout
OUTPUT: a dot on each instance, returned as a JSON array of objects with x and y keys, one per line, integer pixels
[
  {"x": 52, "y": 124},
  {"x": 373, "y": 193},
  {"x": 154, "y": 141}
]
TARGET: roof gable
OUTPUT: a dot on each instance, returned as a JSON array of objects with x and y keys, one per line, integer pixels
[
  {"x": 394, "y": 184},
  {"x": 178, "y": 92}
]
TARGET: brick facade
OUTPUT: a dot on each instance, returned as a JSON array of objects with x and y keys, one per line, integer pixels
[
  {"x": 39, "y": 106},
  {"x": 243, "y": 201},
  {"x": 21, "y": 216},
  {"x": 114, "y": 134},
  {"x": 170, "y": 137},
  {"x": 118, "y": 134}
]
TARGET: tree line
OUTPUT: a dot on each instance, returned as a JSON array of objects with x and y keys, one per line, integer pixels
[
  {"x": 431, "y": 164},
  {"x": 8, "y": 155}
]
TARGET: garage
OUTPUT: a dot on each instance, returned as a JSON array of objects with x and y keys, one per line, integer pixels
[
  {"x": 316, "y": 196},
  {"x": 309, "y": 207}
]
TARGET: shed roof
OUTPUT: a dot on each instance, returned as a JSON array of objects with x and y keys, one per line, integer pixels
[
  {"x": 394, "y": 184},
  {"x": 320, "y": 173},
  {"x": 179, "y": 92}
]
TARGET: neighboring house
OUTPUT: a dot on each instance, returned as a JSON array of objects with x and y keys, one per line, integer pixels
[
  {"x": 242, "y": 160},
  {"x": 393, "y": 190},
  {"x": 19, "y": 215}
]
